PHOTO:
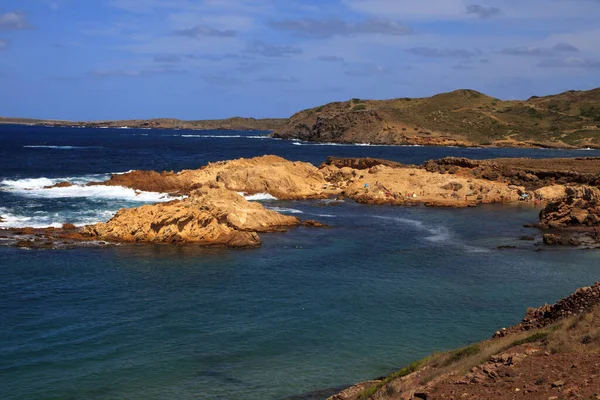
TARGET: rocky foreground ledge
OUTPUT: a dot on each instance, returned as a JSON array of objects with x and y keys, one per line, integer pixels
[
  {"x": 554, "y": 353},
  {"x": 212, "y": 211}
]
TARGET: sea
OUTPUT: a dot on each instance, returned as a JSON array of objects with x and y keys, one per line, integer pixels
[{"x": 308, "y": 313}]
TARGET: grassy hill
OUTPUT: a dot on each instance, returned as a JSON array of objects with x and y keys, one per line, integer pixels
[{"x": 462, "y": 117}]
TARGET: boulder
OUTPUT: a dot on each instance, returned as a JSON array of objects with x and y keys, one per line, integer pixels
[{"x": 552, "y": 239}]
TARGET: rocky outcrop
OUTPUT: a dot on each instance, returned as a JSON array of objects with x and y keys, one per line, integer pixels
[
  {"x": 59, "y": 185},
  {"x": 151, "y": 181},
  {"x": 360, "y": 163},
  {"x": 210, "y": 217},
  {"x": 383, "y": 184},
  {"x": 533, "y": 174},
  {"x": 582, "y": 300},
  {"x": 580, "y": 206},
  {"x": 283, "y": 179}
]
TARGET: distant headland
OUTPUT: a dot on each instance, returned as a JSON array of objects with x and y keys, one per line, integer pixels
[{"x": 460, "y": 118}]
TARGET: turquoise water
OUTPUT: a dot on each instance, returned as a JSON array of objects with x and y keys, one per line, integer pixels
[{"x": 311, "y": 309}]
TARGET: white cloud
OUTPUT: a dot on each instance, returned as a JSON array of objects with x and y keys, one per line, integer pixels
[{"x": 14, "y": 21}]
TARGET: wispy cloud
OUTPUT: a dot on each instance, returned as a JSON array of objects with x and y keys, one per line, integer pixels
[
  {"x": 327, "y": 28},
  {"x": 14, "y": 21},
  {"x": 367, "y": 70},
  {"x": 482, "y": 11},
  {"x": 221, "y": 80},
  {"x": 4, "y": 44},
  {"x": 556, "y": 50},
  {"x": 431, "y": 52},
  {"x": 168, "y": 58},
  {"x": 277, "y": 79},
  {"x": 330, "y": 59},
  {"x": 570, "y": 62},
  {"x": 135, "y": 73},
  {"x": 203, "y": 31},
  {"x": 269, "y": 50}
]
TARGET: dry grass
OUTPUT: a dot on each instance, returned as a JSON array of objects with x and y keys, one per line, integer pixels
[{"x": 579, "y": 334}]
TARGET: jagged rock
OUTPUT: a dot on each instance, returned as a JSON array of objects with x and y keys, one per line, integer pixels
[
  {"x": 582, "y": 300},
  {"x": 59, "y": 185},
  {"x": 552, "y": 239},
  {"x": 314, "y": 224},
  {"x": 210, "y": 216},
  {"x": 580, "y": 206},
  {"x": 283, "y": 179}
]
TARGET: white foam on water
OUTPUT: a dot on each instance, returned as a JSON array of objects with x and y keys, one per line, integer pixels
[
  {"x": 258, "y": 196},
  {"x": 62, "y": 147},
  {"x": 11, "y": 220},
  {"x": 34, "y": 188},
  {"x": 286, "y": 210},
  {"x": 325, "y": 215},
  {"x": 436, "y": 234},
  {"x": 54, "y": 219},
  {"x": 227, "y": 136}
]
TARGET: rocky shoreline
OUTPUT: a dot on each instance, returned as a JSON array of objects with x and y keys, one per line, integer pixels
[
  {"x": 553, "y": 353},
  {"x": 211, "y": 211}
]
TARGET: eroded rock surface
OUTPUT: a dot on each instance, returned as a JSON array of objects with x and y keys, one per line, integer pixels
[
  {"x": 579, "y": 206},
  {"x": 210, "y": 216},
  {"x": 283, "y": 179}
]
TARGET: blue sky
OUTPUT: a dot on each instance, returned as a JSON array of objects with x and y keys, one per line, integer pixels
[{"x": 199, "y": 59}]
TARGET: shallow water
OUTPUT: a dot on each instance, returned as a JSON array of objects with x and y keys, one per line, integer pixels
[{"x": 311, "y": 309}]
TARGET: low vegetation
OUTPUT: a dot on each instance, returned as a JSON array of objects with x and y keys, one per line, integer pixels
[
  {"x": 464, "y": 116},
  {"x": 576, "y": 335}
]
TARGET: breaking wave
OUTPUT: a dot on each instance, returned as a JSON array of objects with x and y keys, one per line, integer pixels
[
  {"x": 35, "y": 188},
  {"x": 62, "y": 147},
  {"x": 258, "y": 196}
]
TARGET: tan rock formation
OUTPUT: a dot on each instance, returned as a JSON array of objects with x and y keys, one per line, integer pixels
[
  {"x": 274, "y": 175},
  {"x": 210, "y": 216},
  {"x": 580, "y": 206},
  {"x": 383, "y": 184}
]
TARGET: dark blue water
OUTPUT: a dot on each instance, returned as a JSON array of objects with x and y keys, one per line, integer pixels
[{"x": 311, "y": 309}]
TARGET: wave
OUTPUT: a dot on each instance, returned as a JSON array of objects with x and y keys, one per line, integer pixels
[
  {"x": 285, "y": 210},
  {"x": 304, "y": 143},
  {"x": 49, "y": 219},
  {"x": 62, "y": 147},
  {"x": 226, "y": 136},
  {"x": 436, "y": 234},
  {"x": 258, "y": 196},
  {"x": 34, "y": 188}
]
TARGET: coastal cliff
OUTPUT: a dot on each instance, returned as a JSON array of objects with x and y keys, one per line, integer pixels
[{"x": 459, "y": 118}]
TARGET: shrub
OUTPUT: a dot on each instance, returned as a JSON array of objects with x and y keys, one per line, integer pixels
[{"x": 359, "y": 107}]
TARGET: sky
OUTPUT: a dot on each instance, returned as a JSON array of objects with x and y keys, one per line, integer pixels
[{"x": 203, "y": 59}]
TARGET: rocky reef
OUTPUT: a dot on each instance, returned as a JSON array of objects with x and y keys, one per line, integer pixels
[
  {"x": 209, "y": 216},
  {"x": 212, "y": 212}
]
